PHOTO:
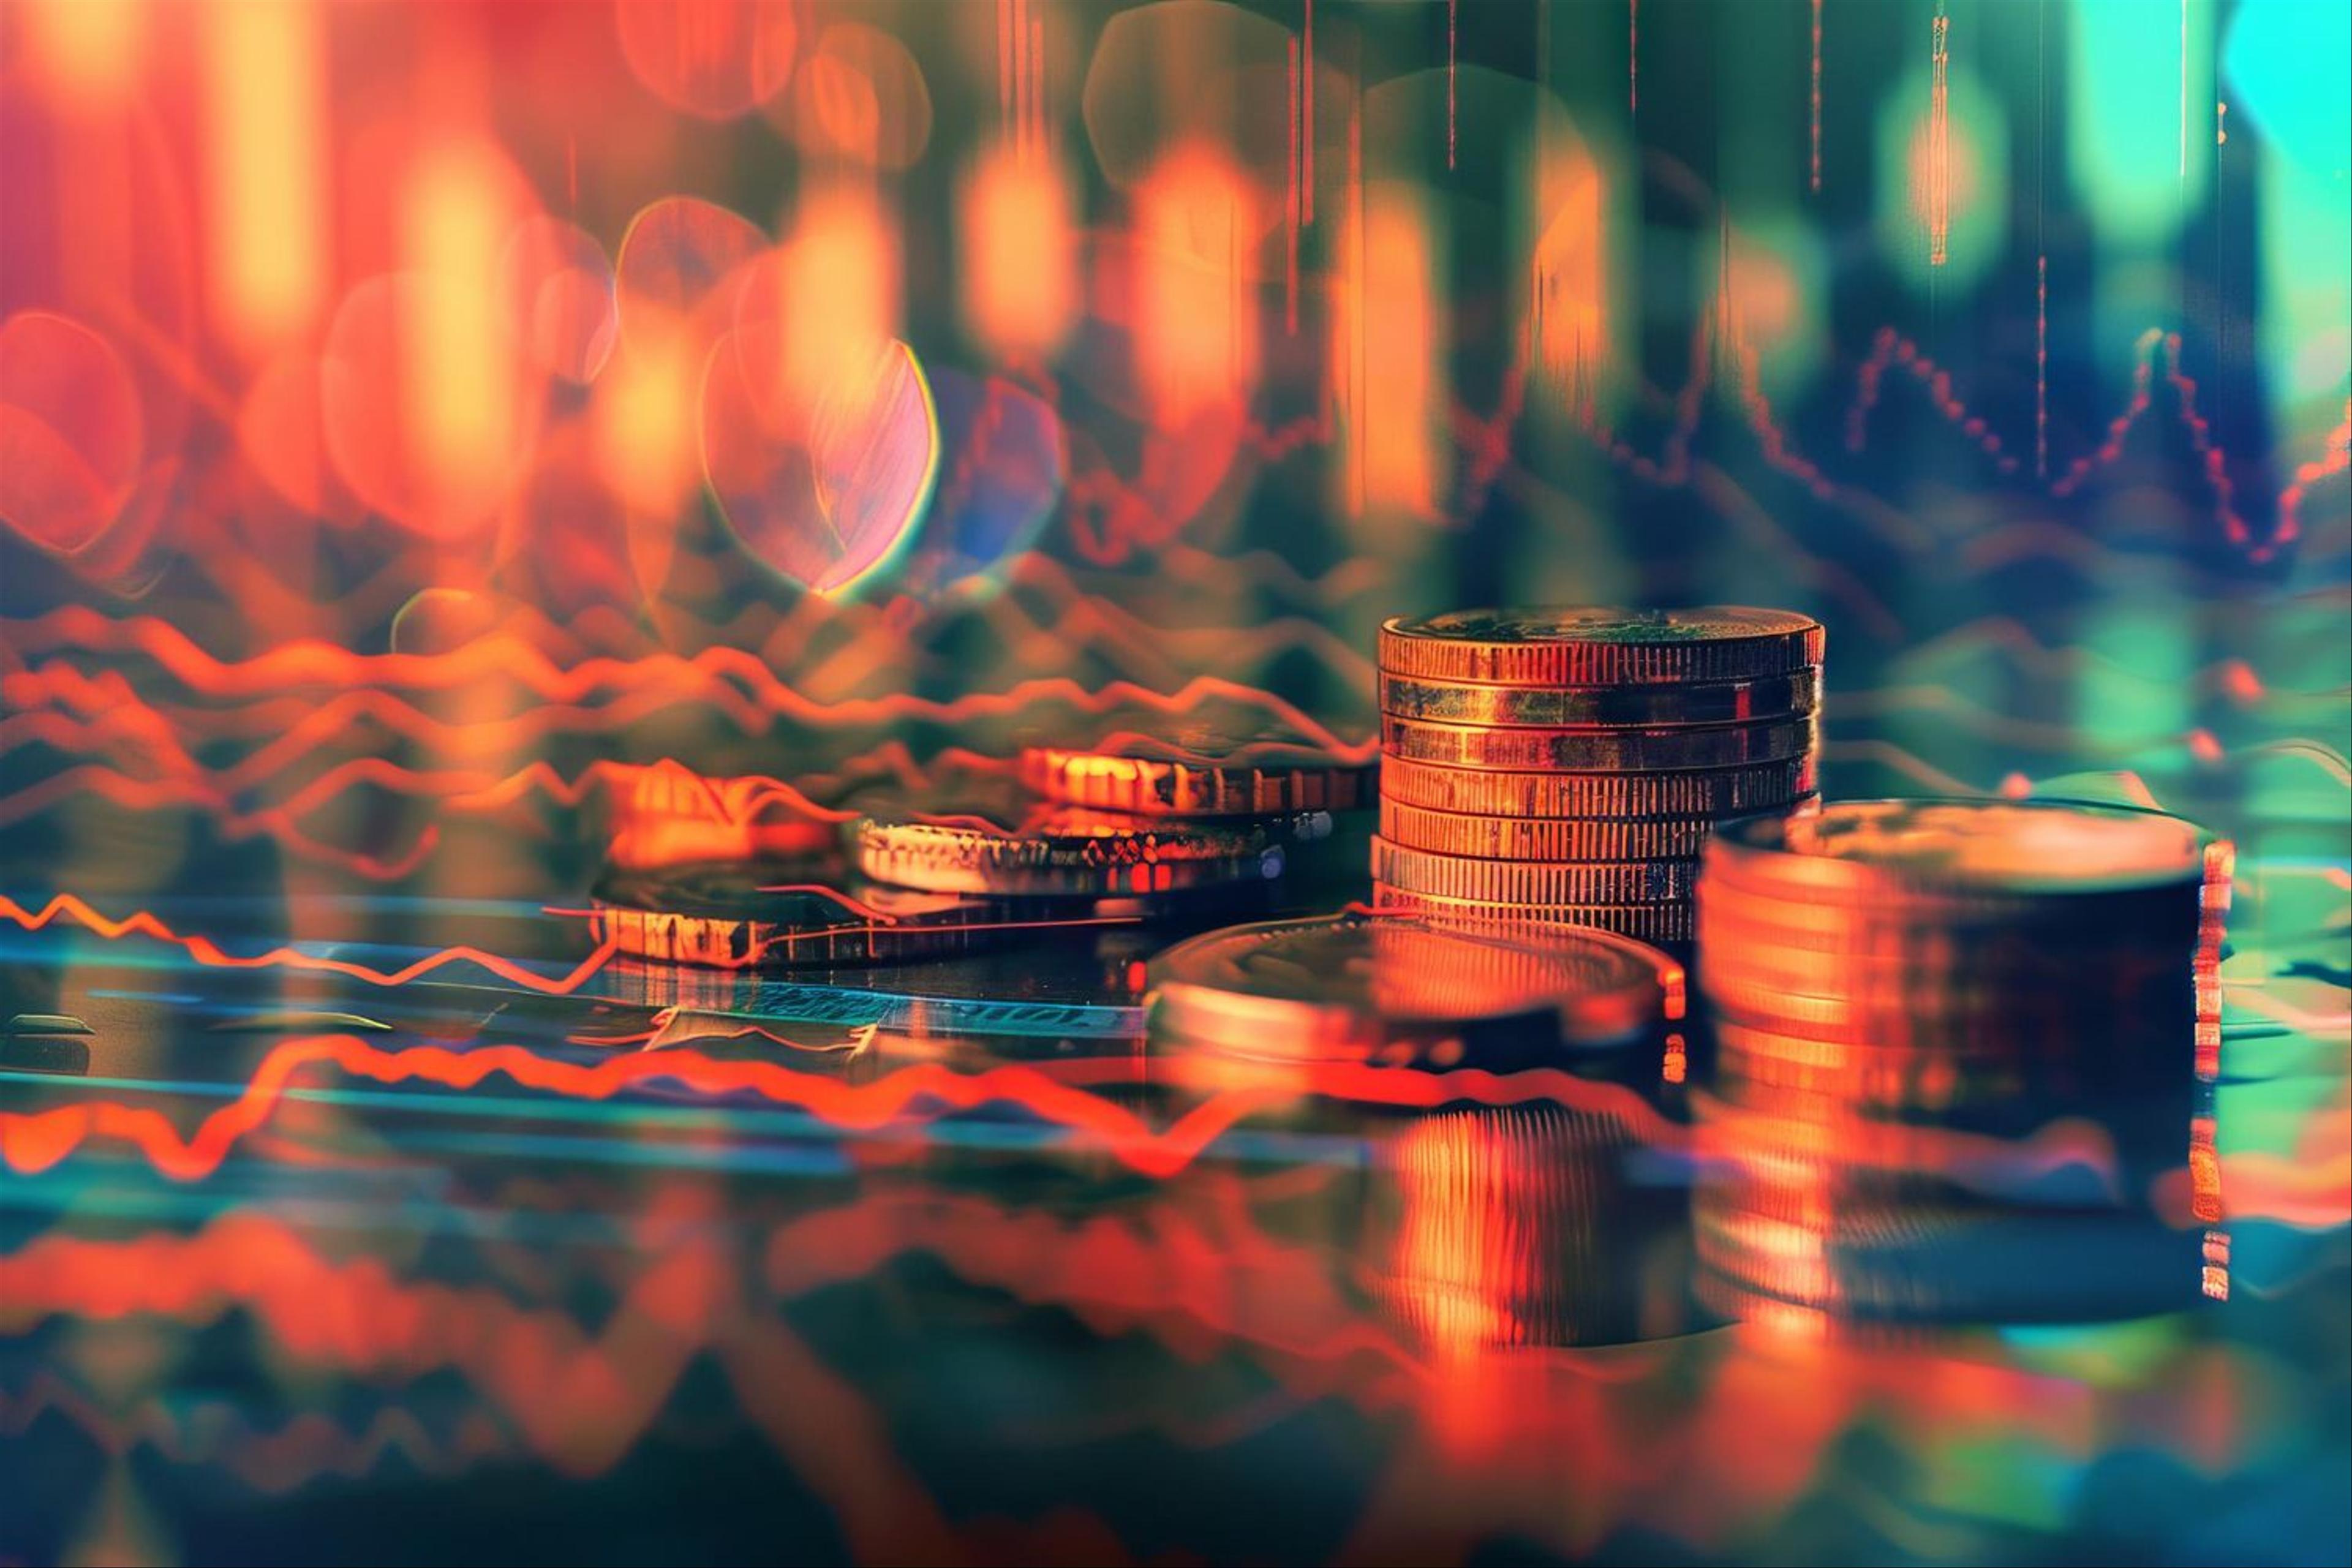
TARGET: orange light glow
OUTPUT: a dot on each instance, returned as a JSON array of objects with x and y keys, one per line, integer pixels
[
  {"x": 838, "y": 300},
  {"x": 1020, "y": 294},
  {"x": 644, "y": 419},
  {"x": 1763, "y": 304},
  {"x": 1197, "y": 225},
  {"x": 1571, "y": 278},
  {"x": 71, "y": 430},
  {"x": 1398, "y": 448},
  {"x": 712, "y": 58},
  {"x": 457, "y": 375},
  {"x": 89, "y": 50},
  {"x": 264, "y": 167},
  {"x": 1946, "y": 179}
]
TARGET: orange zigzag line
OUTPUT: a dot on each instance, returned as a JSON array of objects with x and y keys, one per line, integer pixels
[
  {"x": 1156, "y": 1265},
  {"x": 33, "y": 1141},
  {"x": 205, "y": 950},
  {"x": 310, "y": 663}
]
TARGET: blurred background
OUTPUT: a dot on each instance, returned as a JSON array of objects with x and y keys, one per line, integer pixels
[
  {"x": 828, "y": 365},
  {"x": 418, "y": 421}
]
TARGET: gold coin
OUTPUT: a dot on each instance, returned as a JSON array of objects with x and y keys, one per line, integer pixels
[
  {"x": 744, "y": 914},
  {"x": 1714, "y": 793},
  {"x": 1974, "y": 1019},
  {"x": 1195, "y": 769},
  {"x": 1063, "y": 851},
  {"x": 1643, "y": 922},
  {"x": 1532, "y": 882},
  {"x": 1360, "y": 987},
  {"x": 1544, "y": 838},
  {"x": 1591, "y": 646},
  {"x": 1911, "y": 923},
  {"x": 1565, "y": 706},
  {"x": 1871, "y": 851},
  {"x": 1598, "y": 750}
]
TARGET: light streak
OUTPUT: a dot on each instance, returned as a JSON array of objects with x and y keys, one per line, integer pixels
[
  {"x": 2042, "y": 366},
  {"x": 1292, "y": 216},
  {"x": 1633, "y": 56},
  {"x": 2184, "y": 91},
  {"x": 33, "y": 1141},
  {"x": 1306, "y": 116},
  {"x": 1815, "y": 100},
  {"x": 205, "y": 950},
  {"x": 266, "y": 180},
  {"x": 1453, "y": 72},
  {"x": 1939, "y": 139}
]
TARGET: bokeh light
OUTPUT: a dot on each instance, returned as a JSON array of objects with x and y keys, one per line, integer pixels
[
  {"x": 714, "y": 59},
  {"x": 860, "y": 97},
  {"x": 72, "y": 432}
]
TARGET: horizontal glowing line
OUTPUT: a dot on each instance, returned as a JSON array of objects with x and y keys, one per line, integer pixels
[
  {"x": 33, "y": 1141},
  {"x": 205, "y": 951}
]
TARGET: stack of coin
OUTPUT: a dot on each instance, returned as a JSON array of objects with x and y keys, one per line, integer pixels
[
  {"x": 1046, "y": 863},
  {"x": 1960, "y": 1051},
  {"x": 1213, "y": 774},
  {"x": 1566, "y": 766}
]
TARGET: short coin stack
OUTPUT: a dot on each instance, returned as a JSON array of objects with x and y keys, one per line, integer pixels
[
  {"x": 1911, "y": 1001},
  {"x": 1564, "y": 766}
]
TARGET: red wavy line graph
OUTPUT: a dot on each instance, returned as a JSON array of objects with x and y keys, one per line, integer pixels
[
  {"x": 205, "y": 950},
  {"x": 36, "y": 1141}
]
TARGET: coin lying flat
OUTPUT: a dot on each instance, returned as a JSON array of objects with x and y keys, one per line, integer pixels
[
  {"x": 1200, "y": 769},
  {"x": 1564, "y": 707},
  {"x": 1544, "y": 838},
  {"x": 1657, "y": 922},
  {"x": 1065, "y": 851},
  {"x": 741, "y": 914},
  {"x": 1592, "y": 646},
  {"x": 1388, "y": 988},
  {"x": 1478, "y": 791},
  {"x": 1595, "y": 751},
  {"x": 1532, "y": 882}
]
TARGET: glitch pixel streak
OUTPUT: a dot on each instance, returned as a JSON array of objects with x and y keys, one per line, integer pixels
[{"x": 449, "y": 453}]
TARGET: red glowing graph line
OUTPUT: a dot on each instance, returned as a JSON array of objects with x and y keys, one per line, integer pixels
[
  {"x": 312, "y": 663},
  {"x": 581, "y": 1396},
  {"x": 667, "y": 674},
  {"x": 205, "y": 950},
  {"x": 33, "y": 1141}
]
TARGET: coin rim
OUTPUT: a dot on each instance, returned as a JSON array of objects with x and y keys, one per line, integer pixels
[
  {"x": 1482, "y": 749},
  {"x": 1406, "y": 648},
  {"x": 1482, "y": 792},
  {"x": 1670, "y": 919},
  {"x": 1493, "y": 837},
  {"x": 1466, "y": 877},
  {"x": 1754, "y": 856},
  {"x": 1608, "y": 706}
]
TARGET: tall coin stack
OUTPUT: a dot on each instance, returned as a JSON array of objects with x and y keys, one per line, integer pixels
[
  {"x": 1960, "y": 1047},
  {"x": 1565, "y": 766}
]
